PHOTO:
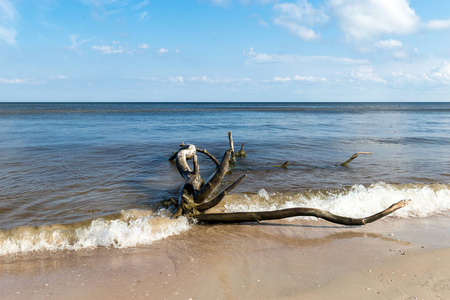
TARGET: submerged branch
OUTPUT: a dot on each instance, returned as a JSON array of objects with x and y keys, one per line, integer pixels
[
  {"x": 233, "y": 155},
  {"x": 285, "y": 165},
  {"x": 241, "y": 152},
  {"x": 345, "y": 163}
]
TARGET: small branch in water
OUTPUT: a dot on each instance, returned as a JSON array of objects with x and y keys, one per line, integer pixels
[
  {"x": 241, "y": 153},
  {"x": 233, "y": 155},
  {"x": 283, "y": 165},
  {"x": 345, "y": 163}
]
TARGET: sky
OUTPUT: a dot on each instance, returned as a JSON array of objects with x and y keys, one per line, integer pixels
[{"x": 224, "y": 50}]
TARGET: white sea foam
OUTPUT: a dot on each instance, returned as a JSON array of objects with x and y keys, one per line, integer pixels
[
  {"x": 132, "y": 228},
  {"x": 356, "y": 202},
  {"x": 142, "y": 227}
]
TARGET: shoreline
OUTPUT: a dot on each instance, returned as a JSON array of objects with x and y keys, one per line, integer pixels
[{"x": 290, "y": 259}]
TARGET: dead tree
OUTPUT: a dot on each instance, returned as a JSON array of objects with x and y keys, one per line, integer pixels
[{"x": 193, "y": 199}]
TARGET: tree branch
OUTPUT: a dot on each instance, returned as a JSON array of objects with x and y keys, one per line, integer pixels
[
  {"x": 345, "y": 163},
  {"x": 214, "y": 182},
  {"x": 233, "y": 156},
  {"x": 210, "y": 156},
  {"x": 239, "y": 217},
  {"x": 205, "y": 206},
  {"x": 241, "y": 153}
]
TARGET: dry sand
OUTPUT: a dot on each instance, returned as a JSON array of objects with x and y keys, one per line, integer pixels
[{"x": 389, "y": 259}]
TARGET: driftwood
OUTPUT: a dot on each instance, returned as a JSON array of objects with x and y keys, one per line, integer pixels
[
  {"x": 193, "y": 199},
  {"x": 345, "y": 163},
  {"x": 241, "y": 152},
  {"x": 285, "y": 165}
]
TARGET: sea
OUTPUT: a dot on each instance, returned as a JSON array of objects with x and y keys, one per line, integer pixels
[{"x": 83, "y": 175}]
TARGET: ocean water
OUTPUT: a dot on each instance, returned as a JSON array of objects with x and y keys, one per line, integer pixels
[{"x": 75, "y": 175}]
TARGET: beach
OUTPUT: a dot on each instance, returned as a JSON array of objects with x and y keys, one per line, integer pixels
[
  {"x": 224, "y": 149},
  {"x": 81, "y": 186},
  {"x": 286, "y": 259}
]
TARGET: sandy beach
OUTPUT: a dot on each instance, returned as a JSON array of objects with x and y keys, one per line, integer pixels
[{"x": 296, "y": 259}]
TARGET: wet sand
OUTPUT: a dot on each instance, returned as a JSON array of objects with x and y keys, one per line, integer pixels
[{"x": 299, "y": 259}]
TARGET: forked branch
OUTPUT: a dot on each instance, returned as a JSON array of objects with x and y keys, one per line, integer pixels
[{"x": 207, "y": 205}]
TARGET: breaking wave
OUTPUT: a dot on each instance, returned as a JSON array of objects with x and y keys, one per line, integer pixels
[
  {"x": 142, "y": 227},
  {"x": 127, "y": 229},
  {"x": 357, "y": 201}
]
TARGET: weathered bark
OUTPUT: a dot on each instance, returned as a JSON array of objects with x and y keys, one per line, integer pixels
[
  {"x": 240, "y": 217},
  {"x": 205, "y": 206},
  {"x": 233, "y": 155},
  {"x": 193, "y": 180},
  {"x": 174, "y": 155},
  {"x": 194, "y": 191},
  {"x": 214, "y": 182}
]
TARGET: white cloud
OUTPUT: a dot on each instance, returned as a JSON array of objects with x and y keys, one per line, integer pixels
[
  {"x": 30, "y": 81},
  {"x": 75, "y": 43},
  {"x": 367, "y": 20},
  {"x": 438, "y": 25},
  {"x": 104, "y": 2},
  {"x": 281, "y": 79},
  {"x": 299, "y": 17},
  {"x": 58, "y": 77},
  {"x": 443, "y": 72},
  {"x": 19, "y": 81},
  {"x": 162, "y": 51},
  {"x": 388, "y": 44},
  {"x": 260, "y": 20},
  {"x": 110, "y": 49},
  {"x": 298, "y": 30},
  {"x": 400, "y": 54},
  {"x": 13, "y": 81},
  {"x": 140, "y": 5},
  {"x": 255, "y": 57},
  {"x": 220, "y": 2},
  {"x": 400, "y": 77},
  {"x": 177, "y": 79},
  {"x": 143, "y": 46},
  {"x": 435, "y": 77},
  {"x": 206, "y": 79},
  {"x": 300, "y": 78},
  {"x": 143, "y": 16},
  {"x": 366, "y": 74},
  {"x": 8, "y": 16},
  {"x": 309, "y": 78}
]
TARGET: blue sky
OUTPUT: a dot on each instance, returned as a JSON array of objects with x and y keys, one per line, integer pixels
[{"x": 224, "y": 50}]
